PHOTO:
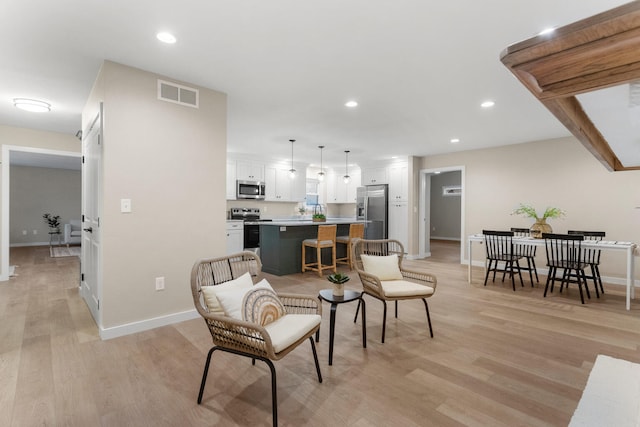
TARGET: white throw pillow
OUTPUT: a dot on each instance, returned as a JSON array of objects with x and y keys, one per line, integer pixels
[
  {"x": 383, "y": 267},
  {"x": 226, "y": 298}
]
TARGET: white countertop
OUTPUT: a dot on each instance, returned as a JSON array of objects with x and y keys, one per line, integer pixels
[{"x": 300, "y": 222}]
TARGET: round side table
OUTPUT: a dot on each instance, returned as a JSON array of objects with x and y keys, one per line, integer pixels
[{"x": 349, "y": 296}]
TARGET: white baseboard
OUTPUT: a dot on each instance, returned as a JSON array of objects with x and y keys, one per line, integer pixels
[
  {"x": 18, "y": 245},
  {"x": 145, "y": 325},
  {"x": 544, "y": 271},
  {"x": 455, "y": 239}
]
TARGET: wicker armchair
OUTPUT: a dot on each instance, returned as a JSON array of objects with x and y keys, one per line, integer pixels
[
  {"x": 408, "y": 284},
  {"x": 244, "y": 338}
]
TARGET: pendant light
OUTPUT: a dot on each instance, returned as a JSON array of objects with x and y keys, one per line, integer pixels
[
  {"x": 321, "y": 173},
  {"x": 292, "y": 171},
  {"x": 346, "y": 177}
]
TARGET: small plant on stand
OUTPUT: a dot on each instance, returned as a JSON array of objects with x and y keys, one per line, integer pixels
[
  {"x": 53, "y": 221},
  {"x": 338, "y": 280}
]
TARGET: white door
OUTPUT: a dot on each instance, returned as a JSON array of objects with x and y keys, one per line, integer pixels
[{"x": 91, "y": 191}]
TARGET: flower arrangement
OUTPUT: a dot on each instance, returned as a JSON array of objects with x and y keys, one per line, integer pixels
[
  {"x": 53, "y": 221},
  {"x": 530, "y": 212}
]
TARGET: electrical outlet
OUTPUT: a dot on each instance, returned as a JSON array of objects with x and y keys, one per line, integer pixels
[
  {"x": 35, "y": 232},
  {"x": 24, "y": 232},
  {"x": 159, "y": 283}
]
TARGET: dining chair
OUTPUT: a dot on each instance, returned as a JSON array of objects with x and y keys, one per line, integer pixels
[
  {"x": 326, "y": 239},
  {"x": 499, "y": 247},
  {"x": 592, "y": 256},
  {"x": 356, "y": 231},
  {"x": 528, "y": 252},
  {"x": 564, "y": 253}
]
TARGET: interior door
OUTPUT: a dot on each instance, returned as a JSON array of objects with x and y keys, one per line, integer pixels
[{"x": 91, "y": 191}]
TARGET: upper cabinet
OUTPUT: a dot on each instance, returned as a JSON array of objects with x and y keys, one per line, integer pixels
[
  {"x": 249, "y": 171},
  {"x": 280, "y": 187},
  {"x": 398, "y": 182},
  {"x": 231, "y": 180},
  {"x": 373, "y": 176},
  {"x": 340, "y": 192}
]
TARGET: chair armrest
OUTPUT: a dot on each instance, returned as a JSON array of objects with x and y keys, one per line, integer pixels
[
  {"x": 430, "y": 279},
  {"x": 239, "y": 335},
  {"x": 300, "y": 304},
  {"x": 370, "y": 283}
]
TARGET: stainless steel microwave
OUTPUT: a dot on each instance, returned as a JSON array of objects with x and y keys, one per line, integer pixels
[{"x": 249, "y": 190}]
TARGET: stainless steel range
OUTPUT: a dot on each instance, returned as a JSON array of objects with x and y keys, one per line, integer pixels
[{"x": 252, "y": 220}]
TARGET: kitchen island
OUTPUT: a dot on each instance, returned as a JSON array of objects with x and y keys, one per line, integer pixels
[{"x": 281, "y": 243}]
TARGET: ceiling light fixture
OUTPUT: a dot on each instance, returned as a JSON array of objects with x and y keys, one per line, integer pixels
[
  {"x": 32, "y": 105},
  {"x": 346, "y": 176},
  {"x": 487, "y": 104},
  {"x": 351, "y": 104},
  {"x": 321, "y": 173},
  {"x": 455, "y": 140},
  {"x": 292, "y": 171},
  {"x": 165, "y": 37}
]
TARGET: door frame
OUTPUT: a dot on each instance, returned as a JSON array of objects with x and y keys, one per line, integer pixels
[
  {"x": 424, "y": 226},
  {"x": 6, "y": 166}
]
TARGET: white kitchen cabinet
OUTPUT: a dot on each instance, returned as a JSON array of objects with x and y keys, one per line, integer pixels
[
  {"x": 398, "y": 183},
  {"x": 373, "y": 176},
  {"x": 399, "y": 223},
  {"x": 280, "y": 187},
  {"x": 338, "y": 191},
  {"x": 249, "y": 171},
  {"x": 235, "y": 236},
  {"x": 231, "y": 180}
]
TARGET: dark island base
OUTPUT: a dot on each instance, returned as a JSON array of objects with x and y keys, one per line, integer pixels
[{"x": 281, "y": 250}]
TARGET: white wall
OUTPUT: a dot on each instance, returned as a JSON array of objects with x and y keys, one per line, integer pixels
[
  {"x": 170, "y": 161},
  {"x": 559, "y": 173}
]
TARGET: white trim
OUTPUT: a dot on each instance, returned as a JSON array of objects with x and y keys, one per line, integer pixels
[
  {"x": 147, "y": 324},
  {"x": 19, "y": 245},
  {"x": 4, "y": 226},
  {"x": 455, "y": 239}
]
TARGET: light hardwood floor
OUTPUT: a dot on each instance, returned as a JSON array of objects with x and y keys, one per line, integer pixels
[{"x": 498, "y": 357}]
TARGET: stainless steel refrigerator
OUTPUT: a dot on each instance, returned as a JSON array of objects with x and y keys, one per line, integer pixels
[{"x": 372, "y": 206}]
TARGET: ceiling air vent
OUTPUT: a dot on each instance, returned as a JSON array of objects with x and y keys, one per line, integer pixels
[{"x": 178, "y": 94}]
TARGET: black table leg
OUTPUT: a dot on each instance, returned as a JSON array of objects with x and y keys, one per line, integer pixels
[
  {"x": 364, "y": 325},
  {"x": 332, "y": 326}
]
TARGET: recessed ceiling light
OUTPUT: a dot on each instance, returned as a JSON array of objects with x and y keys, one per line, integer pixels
[
  {"x": 455, "y": 140},
  {"x": 32, "y": 105},
  {"x": 487, "y": 104},
  {"x": 546, "y": 31},
  {"x": 166, "y": 37},
  {"x": 351, "y": 104}
]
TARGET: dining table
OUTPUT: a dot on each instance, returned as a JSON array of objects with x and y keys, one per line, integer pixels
[{"x": 606, "y": 245}]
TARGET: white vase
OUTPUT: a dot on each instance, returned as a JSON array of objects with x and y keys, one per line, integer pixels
[{"x": 338, "y": 289}]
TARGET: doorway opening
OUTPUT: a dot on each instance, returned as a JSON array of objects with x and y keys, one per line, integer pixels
[
  {"x": 442, "y": 211},
  {"x": 25, "y": 156}
]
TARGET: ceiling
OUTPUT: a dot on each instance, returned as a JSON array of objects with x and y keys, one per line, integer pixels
[{"x": 418, "y": 69}]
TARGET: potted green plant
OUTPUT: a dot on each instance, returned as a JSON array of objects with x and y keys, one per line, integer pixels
[
  {"x": 53, "y": 221},
  {"x": 318, "y": 216},
  {"x": 540, "y": 226},
  {"x": 338, "y": 280}
]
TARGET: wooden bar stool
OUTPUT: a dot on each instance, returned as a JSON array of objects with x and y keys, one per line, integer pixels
[
  {"x": 356, "y": 231},
  {"x": 326, "y": 239}
]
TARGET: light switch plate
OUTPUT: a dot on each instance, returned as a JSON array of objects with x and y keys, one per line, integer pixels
[{"x": 125, "y": 205}]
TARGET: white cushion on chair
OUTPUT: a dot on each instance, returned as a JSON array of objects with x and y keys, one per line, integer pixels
[
  {"x": 403, "y": 288},
  {"x": 229, "y": 291},
  {"x": 383, "y": 267},
  {"x": 290, "y": 328},
  {"x": 314, "y": 242}
]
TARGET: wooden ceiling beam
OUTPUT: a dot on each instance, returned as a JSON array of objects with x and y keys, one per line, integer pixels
[{"x": 594, "y": 53}]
